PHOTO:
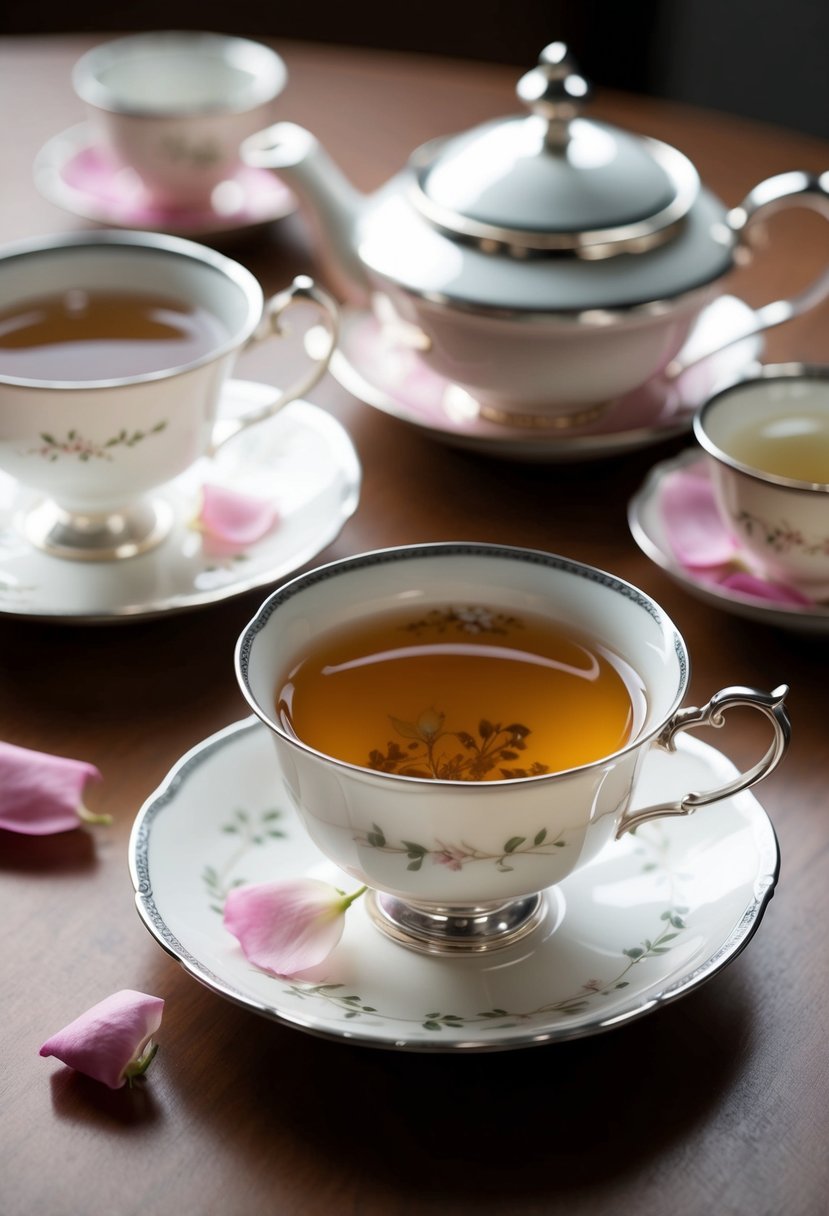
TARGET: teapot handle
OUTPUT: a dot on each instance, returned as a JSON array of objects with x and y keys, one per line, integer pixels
[
  {"x": 770, "y": 706},
  {"x": 773, "y": 194}
]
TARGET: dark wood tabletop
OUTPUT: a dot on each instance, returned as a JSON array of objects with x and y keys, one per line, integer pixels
[{"x": 716, "y": 1103}]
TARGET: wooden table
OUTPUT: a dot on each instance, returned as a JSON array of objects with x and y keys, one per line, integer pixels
[{"x": 715, "y": 1104}]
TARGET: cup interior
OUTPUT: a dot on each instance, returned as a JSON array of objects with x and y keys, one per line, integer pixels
[
  {"x": 782, "y": 408},
  {"x": 606, "y": 609},
  {"x": 178, "y": 74},
  {"x": 133, "y": 263}
]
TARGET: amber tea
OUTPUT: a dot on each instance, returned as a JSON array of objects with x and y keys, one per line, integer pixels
[
  {"x": 461, "y": 694},
  {"x": 80, "y": 335}
]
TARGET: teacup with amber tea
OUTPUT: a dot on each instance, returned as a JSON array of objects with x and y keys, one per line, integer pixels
[
  {"x": 114, "y": 351},
  {"x": 460, "y": 726}
]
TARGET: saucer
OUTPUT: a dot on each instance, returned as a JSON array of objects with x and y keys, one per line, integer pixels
[
  {"x": 647, "y": 524},
  {"x": 391, "y": 377},
  {"x": 80, "y": 176},
  {"x": 651, "y": 918},
  {"x": 301, "y": 459}
]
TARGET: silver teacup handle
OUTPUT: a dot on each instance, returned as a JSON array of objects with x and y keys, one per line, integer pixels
[
  {"x": 773, "y": 194},
  {"x": 302, "y": 288},
  {"x": 712, "y": 714}
]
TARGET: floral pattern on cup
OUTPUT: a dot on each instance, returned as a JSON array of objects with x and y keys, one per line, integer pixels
[
  {"x": 781, "y": 537},
  {"x": 471, "y": 619},
  {"x": 456, "y": 856},
  {"x": 83, "y": 449},
  {"x": 200, "y": 153}
]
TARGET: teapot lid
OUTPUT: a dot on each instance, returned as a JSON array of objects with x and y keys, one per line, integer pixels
[{"x": 553, "y": 181}]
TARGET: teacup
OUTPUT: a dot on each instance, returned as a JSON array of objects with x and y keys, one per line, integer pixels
[
  {"x": 175, "y": 107},
  {"x": 767, "y": 443},
  {"x": 460, "y": 865},
  {"x": 95, "y": 444}
]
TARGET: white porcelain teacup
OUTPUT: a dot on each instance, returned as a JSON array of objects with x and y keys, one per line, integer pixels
[
  {"x": 460, "y": 864},
  {"x": 767, "y": 443},
  {"x": 97, "y": 444},
  {"x": 175, "y": 106}
]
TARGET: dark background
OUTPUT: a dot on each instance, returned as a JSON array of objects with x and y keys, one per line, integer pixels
[{"x": 765, "y": 59}]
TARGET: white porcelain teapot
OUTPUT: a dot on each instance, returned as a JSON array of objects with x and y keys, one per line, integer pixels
[{"x": 547, "y": 263}]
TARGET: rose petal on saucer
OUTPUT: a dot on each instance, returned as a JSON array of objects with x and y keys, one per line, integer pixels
[
  {"x": 286, "y": 927},
  {"x": 108, "y": 1042},
  {"x": 40, "y": 793},
  {"x": 758, "y": 588},
  {"x": 233, "y": 518},
  {"x": 693, "y": 525}
]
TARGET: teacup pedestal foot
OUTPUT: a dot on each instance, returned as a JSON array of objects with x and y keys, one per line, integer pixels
[
  {"x": 455, "y": 930},
  {"x": 105, "y": 536}
]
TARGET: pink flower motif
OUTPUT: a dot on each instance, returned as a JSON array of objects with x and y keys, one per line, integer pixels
[
  {"x": 450, "y": 857},
  {"x": 111, "y": 1042},
  {"x": 231, "y": 521},
  {"x": 41, "y": 793},
  {"x": 286, "y": 928},
  {"x": 593, "y": 986}
]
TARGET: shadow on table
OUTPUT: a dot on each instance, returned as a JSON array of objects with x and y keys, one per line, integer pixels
[
  {"x": 545, "y": 1120},
  {"x": 79, "y": 1098},
  {"x": 62, "y": 853}
]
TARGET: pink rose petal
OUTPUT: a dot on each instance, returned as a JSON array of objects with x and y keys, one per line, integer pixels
[
  {"x": 235, "y": 519},
  {"x": 41, "y": 793},
  {"x": 109, "y": 1037},
  {"x": 693, "y": 525},
  {"x": 758, "y": 588},
  {"x": 287, "y": 927}
]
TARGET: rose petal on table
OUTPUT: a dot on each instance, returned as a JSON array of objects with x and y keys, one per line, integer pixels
[
  {"x": 108, "y": 1042},
  {"x": 234, "y": 518},
  {"x": 758, "y": 588},
  {"x": 41, "y": 793},
  {"x": 693, "y": 525},
  {"x": 286, "y": 927}
]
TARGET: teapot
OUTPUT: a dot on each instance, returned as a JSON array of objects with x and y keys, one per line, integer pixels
[{"x": 546, "y": 263}]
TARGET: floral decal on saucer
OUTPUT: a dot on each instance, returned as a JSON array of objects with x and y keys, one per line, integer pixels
[
  {"x": 456, "y": 856},
  {"x": 251, "y": 833},
  {"x": 254, "y": 832},
  {"x": 74, "y": 444}
]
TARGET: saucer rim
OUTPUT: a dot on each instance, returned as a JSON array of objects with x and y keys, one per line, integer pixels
[
  {"x": 55, "y": 154},
  {"x": 350, "y": 466},
  {"x": 764, "y": 884},
  {"x": 804, "y": 616},
  {"x": 529, "y": 446}
]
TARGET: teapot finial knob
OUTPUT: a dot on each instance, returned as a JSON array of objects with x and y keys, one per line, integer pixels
[{"x": 555, "y": 90}]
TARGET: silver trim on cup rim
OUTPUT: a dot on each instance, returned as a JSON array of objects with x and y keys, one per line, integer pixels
[
  {"x": 771, "y": 371},
  {"x": 159, "y": 242}
]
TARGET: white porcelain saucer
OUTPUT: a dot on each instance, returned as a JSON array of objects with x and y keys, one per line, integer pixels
[
  {"x": 391, "y": 377},
  {"x": 652, "y": 918},
  {"x": 647, "y": 526},
  {"x": 301, "y": 459},
  {"x": 73, "y": 172}
]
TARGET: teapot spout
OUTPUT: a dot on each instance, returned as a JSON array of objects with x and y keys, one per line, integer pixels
[{"x": 328, "y": 199}]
